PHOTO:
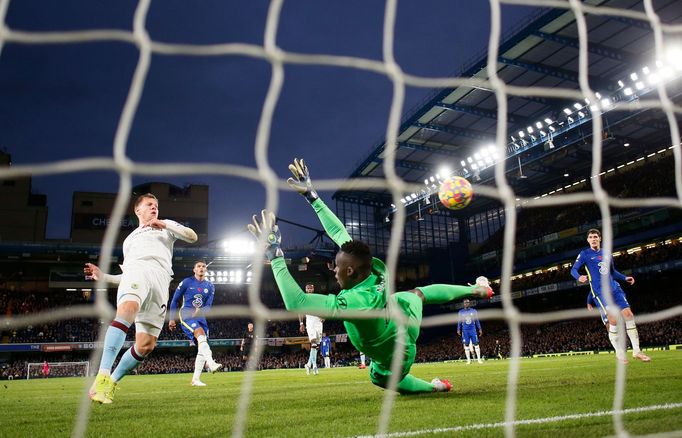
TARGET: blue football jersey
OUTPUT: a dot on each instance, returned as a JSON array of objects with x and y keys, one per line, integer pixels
[
  {"x": 467, "y": 319},
  {"x": 325, "y": 346},
  {"x": 192, "y": 294},
  {"x": 594, "y": 265}
]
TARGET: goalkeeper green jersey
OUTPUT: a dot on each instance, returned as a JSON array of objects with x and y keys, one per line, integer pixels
[{"x": 375, "y": 336}]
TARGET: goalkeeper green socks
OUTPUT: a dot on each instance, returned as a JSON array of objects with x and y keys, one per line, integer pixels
[
  {"x": 444, "y": 293},
  {"x": 413, "y": 385}
]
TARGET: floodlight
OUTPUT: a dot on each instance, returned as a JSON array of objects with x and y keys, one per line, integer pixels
[
  {"x": 674, "y": 57},
  {"x": 238, "y": 246}
]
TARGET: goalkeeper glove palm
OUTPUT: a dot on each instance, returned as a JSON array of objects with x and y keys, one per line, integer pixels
[
  {"x": 301, "y": 181},
  {"x": 273, "y": 236}
]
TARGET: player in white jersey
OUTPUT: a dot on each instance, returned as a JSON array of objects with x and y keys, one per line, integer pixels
[
  {"x": 313, "y": 325},
  {"x": 142, "y": 293}
]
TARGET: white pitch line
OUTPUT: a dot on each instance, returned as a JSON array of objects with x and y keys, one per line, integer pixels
[{"x": 530, "y": 421}]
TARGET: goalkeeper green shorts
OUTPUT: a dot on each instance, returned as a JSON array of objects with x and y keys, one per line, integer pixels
[{"x": 380, "y": 369}]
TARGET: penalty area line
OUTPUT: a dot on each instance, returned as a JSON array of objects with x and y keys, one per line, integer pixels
[{"x": 529, "y": 421}]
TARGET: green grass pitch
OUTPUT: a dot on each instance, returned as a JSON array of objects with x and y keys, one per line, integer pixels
[{"x": 342, "y": 402}]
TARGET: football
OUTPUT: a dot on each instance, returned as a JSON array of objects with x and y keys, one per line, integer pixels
[{"x": 455, "y": 193}]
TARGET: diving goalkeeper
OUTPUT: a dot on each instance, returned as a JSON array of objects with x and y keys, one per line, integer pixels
[{"x": 362, "y": 279}]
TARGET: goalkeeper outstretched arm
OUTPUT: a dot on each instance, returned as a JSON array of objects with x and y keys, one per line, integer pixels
[
  {"x": 294, "y": 298},
  {"x": 302, "y": 184}
]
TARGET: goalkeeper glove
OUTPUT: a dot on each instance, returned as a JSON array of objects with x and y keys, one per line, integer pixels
[
  {"x": 482, "y": 288},
  {"x": 482, "y": 281},
  {"x": 271, "y": 230},
  {"x": 301, "y": 180}
]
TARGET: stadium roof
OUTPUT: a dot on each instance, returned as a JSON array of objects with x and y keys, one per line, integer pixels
[{"x": 457, "y": 125}]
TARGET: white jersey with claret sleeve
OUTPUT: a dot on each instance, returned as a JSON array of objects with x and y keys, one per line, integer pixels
[{"x": 149, "y": 247}]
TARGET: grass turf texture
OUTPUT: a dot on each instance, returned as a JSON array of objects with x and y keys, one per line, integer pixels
[{"x": 342, "y": 401}]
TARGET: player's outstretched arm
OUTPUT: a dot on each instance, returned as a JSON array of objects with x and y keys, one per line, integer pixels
[
  {"x": 302, "y": 184},
  {"x": 180, "y": 231},
  {"x": 95, "y": 273},
  {"x": 292, "y": 294}
]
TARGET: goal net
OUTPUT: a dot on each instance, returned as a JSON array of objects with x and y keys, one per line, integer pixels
[
  {"x": 641, "y": 15},
  {"x": 37, "y": 370}
]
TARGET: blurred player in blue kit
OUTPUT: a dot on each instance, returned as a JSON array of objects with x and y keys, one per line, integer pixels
[
  {"x": 194, "y": 297},
  {"x": 326, "y": 350},
  {"x": 467, "y": 324},
  {"x": 592, "y": 259}
]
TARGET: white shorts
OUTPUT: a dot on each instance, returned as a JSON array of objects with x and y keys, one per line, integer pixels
[
  {"x": 148, "y": 288},
  {"x": 314, "y": 331}
]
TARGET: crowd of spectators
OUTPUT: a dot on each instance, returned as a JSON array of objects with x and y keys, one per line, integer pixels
[
  {"x": 533, "y": 223},
  {"x": 557, "y": 337},
  {"x": 87, "y": 330},
  {"x": 561, "y": 337},
  {"x": 623, "y": 262},
  {"x": 13, "y": 303}
]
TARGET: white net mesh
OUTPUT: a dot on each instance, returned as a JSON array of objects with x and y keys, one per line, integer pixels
[{"x": 388, "y": 67}]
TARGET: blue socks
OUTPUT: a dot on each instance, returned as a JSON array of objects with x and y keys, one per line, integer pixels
[
  {"x": 113, "y": 341},
  {"x": 129, "y": 361}
]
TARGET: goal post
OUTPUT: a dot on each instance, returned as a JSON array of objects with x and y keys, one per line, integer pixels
[{"x": 34, "y": 370}]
